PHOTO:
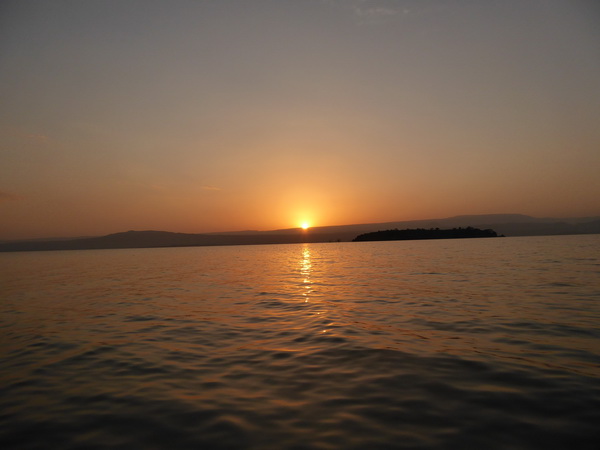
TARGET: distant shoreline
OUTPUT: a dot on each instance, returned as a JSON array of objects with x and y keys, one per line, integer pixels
[{"x": 503, "y": 224}]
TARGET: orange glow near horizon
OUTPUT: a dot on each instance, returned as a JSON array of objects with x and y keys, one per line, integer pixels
[{"x": 268, "y": 134}]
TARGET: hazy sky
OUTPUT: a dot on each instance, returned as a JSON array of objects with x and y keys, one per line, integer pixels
[{"x": 199, "y": 116}]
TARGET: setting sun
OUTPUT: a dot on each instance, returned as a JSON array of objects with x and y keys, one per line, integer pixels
[{"x": 305, "y": 225}]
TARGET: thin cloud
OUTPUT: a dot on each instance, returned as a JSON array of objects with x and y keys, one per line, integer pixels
[
  {"x": 37, "y": 138},
  {"x": 381, "y": 10},
  {"x": 140, "y": 186},
  {"x": 377, "y": 12},
  {"x": 8, "y": 197},
  {"x": 210, "y": 188},
  {"x": 24, "y": 135},
  {"x": 375, "y": 9}
]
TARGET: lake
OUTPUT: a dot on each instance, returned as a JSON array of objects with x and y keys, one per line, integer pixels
[{"x": 445, "y": 344}]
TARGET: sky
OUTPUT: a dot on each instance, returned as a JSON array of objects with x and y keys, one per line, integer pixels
[{"x": 203, "y": 116}]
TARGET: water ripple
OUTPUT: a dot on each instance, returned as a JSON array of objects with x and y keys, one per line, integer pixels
[{"x": 383, "y": 345}]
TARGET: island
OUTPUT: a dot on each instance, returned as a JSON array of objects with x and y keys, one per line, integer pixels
[{"x": 423, "y": 233}]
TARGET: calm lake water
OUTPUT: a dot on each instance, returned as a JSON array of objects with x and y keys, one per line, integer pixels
[{"x": 449, "y": 344}]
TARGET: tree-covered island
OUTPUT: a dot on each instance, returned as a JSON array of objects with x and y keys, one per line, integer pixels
[{"x": 423, "y": 233}]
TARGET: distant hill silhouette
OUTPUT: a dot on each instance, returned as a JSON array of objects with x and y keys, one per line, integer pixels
[
  {"x": 506, "y": 224},
  {"x": 422, "y": 233},
  {"x": 149, "y": 239}
]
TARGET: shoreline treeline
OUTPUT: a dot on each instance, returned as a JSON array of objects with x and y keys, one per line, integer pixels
[{"x": 423, "y": 233}]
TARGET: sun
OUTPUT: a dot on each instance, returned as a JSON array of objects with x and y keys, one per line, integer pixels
[{"x": 305, "y": 225}]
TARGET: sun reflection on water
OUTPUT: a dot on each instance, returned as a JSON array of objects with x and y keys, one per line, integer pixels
[
  {"x": 310, "y": 279},
  {"x": 306, "y": 271}
]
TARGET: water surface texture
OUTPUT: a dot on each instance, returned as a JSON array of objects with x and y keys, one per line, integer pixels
[{"x": 449, "y": 344}]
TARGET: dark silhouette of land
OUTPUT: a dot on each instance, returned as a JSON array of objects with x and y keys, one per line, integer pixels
[
  {"x": 423, "y": 233},
  {"x": 506, "y": 224}
]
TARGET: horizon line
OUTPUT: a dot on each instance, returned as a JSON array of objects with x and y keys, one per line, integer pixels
[{"x": 299, "y": 228}]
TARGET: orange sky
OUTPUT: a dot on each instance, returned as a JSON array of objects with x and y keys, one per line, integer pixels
[{"x": 232, "y": 115}]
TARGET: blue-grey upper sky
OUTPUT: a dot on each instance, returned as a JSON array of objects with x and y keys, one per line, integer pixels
[{"x": 221, "y": 115}]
